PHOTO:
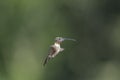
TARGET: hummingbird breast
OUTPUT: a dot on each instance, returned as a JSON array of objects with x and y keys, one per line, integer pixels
[
  {"x": 57, "y": 49},
  {"x": 57, "y": 46}
]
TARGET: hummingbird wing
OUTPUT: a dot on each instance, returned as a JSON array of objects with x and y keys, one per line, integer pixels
[{"x": 49, "y": 56}]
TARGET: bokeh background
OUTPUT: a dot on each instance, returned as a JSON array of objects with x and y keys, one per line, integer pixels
[{"x": 28, "y": 28}]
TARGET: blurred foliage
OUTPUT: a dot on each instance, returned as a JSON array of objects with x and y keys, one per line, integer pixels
[{"x": 28, "y": 28}]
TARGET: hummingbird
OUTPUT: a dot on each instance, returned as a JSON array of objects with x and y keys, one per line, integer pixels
[{"x": 56, "y": 48}]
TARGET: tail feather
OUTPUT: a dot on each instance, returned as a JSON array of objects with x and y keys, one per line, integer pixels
[{"x": 46, "y": 60}]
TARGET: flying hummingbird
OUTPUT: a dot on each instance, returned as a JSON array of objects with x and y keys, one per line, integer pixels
[{"x": 56, "y": 48}]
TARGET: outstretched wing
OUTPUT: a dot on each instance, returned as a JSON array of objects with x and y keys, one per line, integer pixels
[{"x": 49, "y": 56}]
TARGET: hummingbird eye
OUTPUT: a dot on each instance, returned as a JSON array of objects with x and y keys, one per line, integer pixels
[{"x": 58, "y": 38}]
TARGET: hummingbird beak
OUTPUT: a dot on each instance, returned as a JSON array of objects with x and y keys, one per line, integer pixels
[{"x": 69, "y": 39}]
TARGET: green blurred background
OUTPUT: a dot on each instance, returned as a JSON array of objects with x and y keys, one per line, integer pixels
[{"x": 28, "y": 28}]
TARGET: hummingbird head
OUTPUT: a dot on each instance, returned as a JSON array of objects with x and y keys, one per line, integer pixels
[{"x": 61, "y": 39}]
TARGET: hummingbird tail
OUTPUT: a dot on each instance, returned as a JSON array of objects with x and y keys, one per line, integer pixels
[{"x": 46, "y": 60}]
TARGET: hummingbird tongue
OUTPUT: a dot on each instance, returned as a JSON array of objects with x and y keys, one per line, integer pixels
[{"x": 69, "y": 39}]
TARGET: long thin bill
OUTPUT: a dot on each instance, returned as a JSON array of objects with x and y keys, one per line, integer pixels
[{"x": 69, "y": 39}]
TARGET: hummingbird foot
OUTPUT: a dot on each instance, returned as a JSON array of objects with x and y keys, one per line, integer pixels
[{"x": 61, "y": 49}]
